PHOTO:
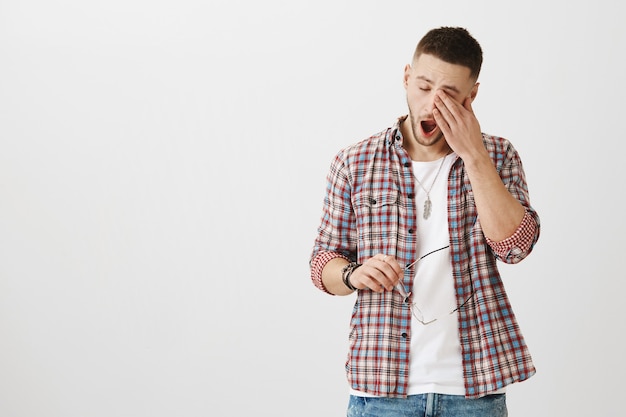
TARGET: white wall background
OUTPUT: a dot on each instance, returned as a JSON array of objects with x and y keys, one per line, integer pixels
[{"x": 162, "y": 171}]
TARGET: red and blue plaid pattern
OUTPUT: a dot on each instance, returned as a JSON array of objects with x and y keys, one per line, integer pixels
[{"x": 369, "y": 209}]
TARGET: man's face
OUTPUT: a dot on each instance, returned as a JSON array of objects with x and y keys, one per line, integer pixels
[{"x": 426, "y": 76}]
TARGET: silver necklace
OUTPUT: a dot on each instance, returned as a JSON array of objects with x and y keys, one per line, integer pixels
[{"x": 428, "y": 205}]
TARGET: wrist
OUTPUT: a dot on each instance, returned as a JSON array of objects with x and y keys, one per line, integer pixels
[{"x": 346, "y": 272}]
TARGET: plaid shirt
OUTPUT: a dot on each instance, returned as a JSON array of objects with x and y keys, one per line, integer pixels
[{"x": 369, "y": 209}]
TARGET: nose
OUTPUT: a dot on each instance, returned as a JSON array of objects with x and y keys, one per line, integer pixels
[{"x": 431, "y": 101}]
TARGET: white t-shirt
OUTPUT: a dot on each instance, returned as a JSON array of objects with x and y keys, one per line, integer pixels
[{"x": 435, "y": 359}]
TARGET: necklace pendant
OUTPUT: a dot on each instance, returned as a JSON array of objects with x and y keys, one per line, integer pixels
[{"x": 427, "y": 208}]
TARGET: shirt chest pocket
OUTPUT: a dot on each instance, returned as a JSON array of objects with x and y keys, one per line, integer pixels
[{"x": 377, "y": 220}]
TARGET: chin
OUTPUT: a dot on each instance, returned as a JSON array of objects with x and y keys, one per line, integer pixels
[{"x": 429, "y": 139}]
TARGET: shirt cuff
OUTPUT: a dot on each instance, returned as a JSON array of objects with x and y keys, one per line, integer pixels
[{"x": 519, "y": 243}]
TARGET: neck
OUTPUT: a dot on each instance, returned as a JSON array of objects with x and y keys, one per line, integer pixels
[{"x": 431, "y": 153}]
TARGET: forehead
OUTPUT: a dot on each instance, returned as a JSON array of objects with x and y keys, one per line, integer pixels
[{"x": 440, "y": 73}]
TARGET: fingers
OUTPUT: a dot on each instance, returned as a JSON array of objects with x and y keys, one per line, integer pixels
[
  {"x": 449, "y": 105},
  {"x": 445, "y": 106},
  {"x": 441, "y": 122},
  {"x": 379, "y": 273},
  {"x": 450, "y": 109},
  {"x": 444, "y": 112},
  {"x": 457, "y": 123},
  {"x": 391, "y": 261}
]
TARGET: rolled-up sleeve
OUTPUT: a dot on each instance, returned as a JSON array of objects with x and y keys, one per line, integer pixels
[
  {"x": 336, "y": 234},
  {"x": 517, "y": 246}
]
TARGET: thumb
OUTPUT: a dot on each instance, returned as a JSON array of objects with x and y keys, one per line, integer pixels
[{"x": 467, "y": 103}]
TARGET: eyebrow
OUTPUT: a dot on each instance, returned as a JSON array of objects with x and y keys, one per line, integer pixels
[{"x": 445, "y": 87}]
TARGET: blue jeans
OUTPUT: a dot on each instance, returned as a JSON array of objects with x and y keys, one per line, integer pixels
[{"x": 428, "y": 405}]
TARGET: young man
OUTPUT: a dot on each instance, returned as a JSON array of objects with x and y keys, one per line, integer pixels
[{"x": 414, "y": 220}]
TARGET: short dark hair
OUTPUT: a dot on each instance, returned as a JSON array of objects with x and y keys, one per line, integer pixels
[{"x": 454, "y": 45}]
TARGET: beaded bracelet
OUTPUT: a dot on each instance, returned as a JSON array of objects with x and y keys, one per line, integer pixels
[{"x": 346, "y": 272}]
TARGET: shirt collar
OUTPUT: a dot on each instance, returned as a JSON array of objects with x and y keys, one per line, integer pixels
[{"x": 395, "y": 136}]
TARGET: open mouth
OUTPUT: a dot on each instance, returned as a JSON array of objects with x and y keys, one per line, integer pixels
[{"x": 428, "y": 126}]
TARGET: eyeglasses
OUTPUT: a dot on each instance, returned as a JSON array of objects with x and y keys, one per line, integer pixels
[{"x": 415, "y": 310}]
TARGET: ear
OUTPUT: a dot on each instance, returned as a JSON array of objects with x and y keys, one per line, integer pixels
[
  {"x": 407, "y": 75},
  {"x": 474, "y": 92}
]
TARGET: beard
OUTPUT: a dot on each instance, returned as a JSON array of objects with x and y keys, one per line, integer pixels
[{"x": 416, "y": 130}]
